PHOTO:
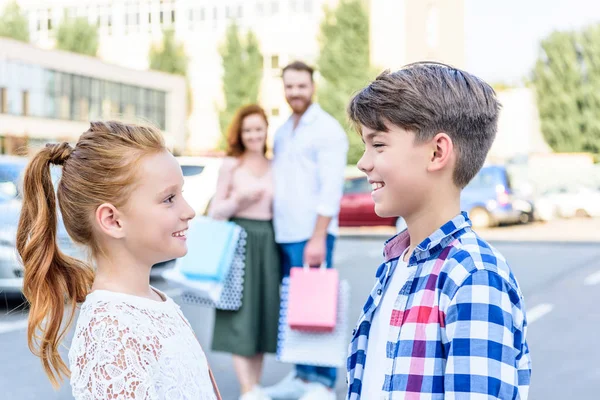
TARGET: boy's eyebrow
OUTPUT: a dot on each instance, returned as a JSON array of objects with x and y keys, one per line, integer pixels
[{"x": 372, "y": 135}]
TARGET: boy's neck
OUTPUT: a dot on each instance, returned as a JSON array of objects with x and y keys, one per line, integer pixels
[{"x": 430, "y": 218}]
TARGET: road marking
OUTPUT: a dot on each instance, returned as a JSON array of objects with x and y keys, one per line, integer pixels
[
  {"x": 538, "y": 312},
  {"x": 6, "y": 327},
  {"x": 592, "y": 279},
  {"x": 173, "y": 292}
]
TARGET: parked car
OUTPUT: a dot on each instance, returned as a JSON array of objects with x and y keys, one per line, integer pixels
[
  {"x": 11, "y": 269},
  {"x": 200, "y": 175},
  {"x": 357, "y": 207},
  {"x": 568, "y": 202},
  {"x": 489, "y": 199}
]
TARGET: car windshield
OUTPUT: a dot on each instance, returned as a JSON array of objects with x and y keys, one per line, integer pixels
[
  {"x": 11, "y": 176},
  {"x": 357, "y": 185},
  {"x": 192, "y": 170}
]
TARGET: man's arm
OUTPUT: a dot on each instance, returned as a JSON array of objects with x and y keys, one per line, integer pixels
[
  {"x": 331, "y": 161},
  {"x": 316, "y": 248},
  {"x": 487, "y": 357}
]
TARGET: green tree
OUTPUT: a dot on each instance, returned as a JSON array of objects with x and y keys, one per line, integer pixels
[
  {"x": 170, "y": 57},
  {"x": 566, "y": 78},
  {"x": 344, "y": 64},
  {"x": 13, "y": 23},
  {"x": 78, "y": 36},
  {"x": 242, "y": 74}
]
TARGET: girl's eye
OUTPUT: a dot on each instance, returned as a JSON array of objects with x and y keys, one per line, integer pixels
[
  {"x": 378, "y": 145},
  {"x": 170, "y": 199}
]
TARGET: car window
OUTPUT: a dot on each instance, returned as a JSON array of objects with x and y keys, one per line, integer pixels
[
  {"x": 192, "y": 170},
  {"x": 9, "y": 180},
  {"x": 484, "y": 179},
  {"x": 357, "y": 185}
]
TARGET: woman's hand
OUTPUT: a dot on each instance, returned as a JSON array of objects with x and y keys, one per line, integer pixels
[{"x": 246, "y": 199}]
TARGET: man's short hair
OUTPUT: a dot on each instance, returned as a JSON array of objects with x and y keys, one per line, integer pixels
[
  {"x": 428, "y": 98},
  {"x": 299, "y": 66}
]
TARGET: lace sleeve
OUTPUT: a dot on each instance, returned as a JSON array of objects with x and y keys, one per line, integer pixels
[{"x": 111, "y": 359}]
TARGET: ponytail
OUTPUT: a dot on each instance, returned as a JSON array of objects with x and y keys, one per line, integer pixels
[{"x": 51, "y": 278}]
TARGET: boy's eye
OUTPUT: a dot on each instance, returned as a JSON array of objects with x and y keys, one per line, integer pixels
[{"x": 376, "y": 145}]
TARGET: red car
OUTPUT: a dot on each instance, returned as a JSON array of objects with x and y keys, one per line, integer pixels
[{"x": 357, "y": 206}]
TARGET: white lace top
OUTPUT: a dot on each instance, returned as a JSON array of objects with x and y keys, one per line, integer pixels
[{"x": 129, "y": 347}]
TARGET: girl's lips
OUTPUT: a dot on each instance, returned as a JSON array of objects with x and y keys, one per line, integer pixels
[{"x": 180, "y": 234}]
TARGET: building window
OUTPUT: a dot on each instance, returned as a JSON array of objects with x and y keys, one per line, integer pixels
[
  {"x": 260, "y": 9},
  {"x": 3, "y": 100},
  {"x": 240, "y": 11},
  {"x": 215, "y": 13},
  {"x": 275, "y": 112},
  {"x": 274, "y": 7},
  {"x": 173, "y": 16},
  {"x": 308, "y": 6},
  {"x": 25, "y": 98},
  {"x": 293, "y": 5},
  {"x": 275, "y": 61}
]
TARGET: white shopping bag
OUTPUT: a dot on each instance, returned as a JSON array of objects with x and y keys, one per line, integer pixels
[{"x": 326, "y": 349}]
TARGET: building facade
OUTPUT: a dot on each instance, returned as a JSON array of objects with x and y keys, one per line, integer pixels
[
  {"x": 402, "y": 31},
  {"x": 48, "y": 95}
]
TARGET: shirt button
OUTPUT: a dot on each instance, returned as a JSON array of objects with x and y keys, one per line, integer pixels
[
  {"x": 353, "y": 332},
  {"x": 379, "y": 292}
]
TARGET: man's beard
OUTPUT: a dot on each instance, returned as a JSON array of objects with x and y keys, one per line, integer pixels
[{"x": 299, "y": 109}]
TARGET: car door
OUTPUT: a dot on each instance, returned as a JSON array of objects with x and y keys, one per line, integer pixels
[{"x": 349, "y": 204}]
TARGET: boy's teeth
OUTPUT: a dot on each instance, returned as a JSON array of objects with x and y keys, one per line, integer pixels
[
  {"x": 377, "y": 185},
  {"x": 179, "y": 234}
]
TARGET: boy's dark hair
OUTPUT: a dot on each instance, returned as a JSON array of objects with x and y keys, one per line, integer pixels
[
  {"x": 299, "y": 66},
  {"x": 428, "y": 98}
]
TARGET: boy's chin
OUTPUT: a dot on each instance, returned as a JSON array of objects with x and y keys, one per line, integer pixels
[{"x": 383, "y": 212}]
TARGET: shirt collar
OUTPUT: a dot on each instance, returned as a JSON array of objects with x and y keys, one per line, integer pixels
[{"x": 395, "y": 246}]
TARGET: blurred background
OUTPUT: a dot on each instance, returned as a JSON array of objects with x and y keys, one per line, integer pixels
[{"x": 186, "y": 66}]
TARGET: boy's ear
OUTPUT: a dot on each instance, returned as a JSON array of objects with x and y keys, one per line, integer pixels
[{"x": 442, "y": 152}]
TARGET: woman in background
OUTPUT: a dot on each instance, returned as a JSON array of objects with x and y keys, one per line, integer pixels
[{"x": 245, "y": 195}]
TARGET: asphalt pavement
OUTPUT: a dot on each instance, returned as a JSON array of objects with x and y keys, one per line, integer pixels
[{"x": 560, "y": 281}]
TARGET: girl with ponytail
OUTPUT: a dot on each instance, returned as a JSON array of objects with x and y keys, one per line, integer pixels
[{"x": 119, "y": 196}]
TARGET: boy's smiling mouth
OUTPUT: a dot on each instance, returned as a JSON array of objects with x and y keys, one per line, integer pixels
[{"x": 376, "y": 185}]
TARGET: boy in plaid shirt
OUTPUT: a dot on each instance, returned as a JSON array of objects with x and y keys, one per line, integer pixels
[{"x": 446, "y": 318}]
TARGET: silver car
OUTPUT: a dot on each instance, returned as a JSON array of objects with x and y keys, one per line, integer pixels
[{"x": 11, "y": 269}]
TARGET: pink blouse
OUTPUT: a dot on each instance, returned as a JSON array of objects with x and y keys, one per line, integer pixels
[{"x": 237, "y": 181}]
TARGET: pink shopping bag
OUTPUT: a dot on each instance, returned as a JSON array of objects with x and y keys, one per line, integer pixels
[{"x": 313, "y": 299}]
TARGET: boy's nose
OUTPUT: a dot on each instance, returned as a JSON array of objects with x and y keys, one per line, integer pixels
[{"x": 364, "y": 164}]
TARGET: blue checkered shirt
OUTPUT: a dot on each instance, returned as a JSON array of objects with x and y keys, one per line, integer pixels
[{"x": 458, "y": 327}]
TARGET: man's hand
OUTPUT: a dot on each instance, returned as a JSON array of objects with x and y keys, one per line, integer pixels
[{"x": 314, "y": 251}]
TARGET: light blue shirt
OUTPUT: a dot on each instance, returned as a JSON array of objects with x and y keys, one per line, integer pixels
[{"x": 309, "y": 165}]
